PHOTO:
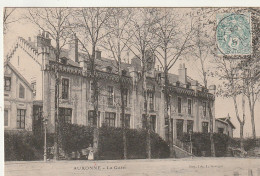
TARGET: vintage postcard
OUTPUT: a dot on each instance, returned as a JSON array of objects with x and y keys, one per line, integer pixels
[{"x": 123, "y": 91}]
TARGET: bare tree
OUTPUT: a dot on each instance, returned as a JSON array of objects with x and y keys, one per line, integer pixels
[
  {"x": 142, "y": 45},
  {"x": 115, "y": 43},
  {"x": 202, "y": 52},
  {"x": 228, "y": 72},
  {"x": 7, "y": 18},
  {"x": 55, "y": 22},
  {"x": 251, "y": 87},
  {"x": 173, "y": 41},
  {"x": 89, "y": 24}
]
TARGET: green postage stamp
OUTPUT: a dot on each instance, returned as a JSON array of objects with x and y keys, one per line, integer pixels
[{"x": 233, "y": 34}]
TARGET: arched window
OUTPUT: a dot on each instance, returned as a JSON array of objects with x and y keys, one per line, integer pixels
[
  {"x": 109, "y": 69},
  {"x": 124, "y": 72},
  {"x": 63, "y": 60}
]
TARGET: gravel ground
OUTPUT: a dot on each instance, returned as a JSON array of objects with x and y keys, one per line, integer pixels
[{"x": 153, "y": 167}]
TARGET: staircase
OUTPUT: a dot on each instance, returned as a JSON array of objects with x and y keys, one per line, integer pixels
[{"x": 181, "y": 149}]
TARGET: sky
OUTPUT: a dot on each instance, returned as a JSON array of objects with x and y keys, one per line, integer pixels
[{"x": 223, "y": 107}]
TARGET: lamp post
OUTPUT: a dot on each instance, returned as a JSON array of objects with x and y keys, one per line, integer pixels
[
  {"x": 190, "y": 133},
  {"x": 45, "y": 120}
]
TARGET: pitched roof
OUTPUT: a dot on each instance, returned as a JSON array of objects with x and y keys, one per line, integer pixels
[
  {"x": 226, "y": 120},
  {"x": 18, "y": 74}
]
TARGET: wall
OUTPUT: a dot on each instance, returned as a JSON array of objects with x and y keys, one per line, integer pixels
[
  {"x": 227, "y": 129},
  {"x": 12, "y": 102}
]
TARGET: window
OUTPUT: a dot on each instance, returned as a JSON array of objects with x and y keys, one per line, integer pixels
[
  {"x": 7, "y": 83},
  {"x": 189, "y": 126},
  {"x": 109, "y": 69},
  {"x": 110, "y": 99},
  {"x": 204, "y": 109},
  {"x": 177, "y": 83},
  {"x": 220, "y": 130},
  {"x": 34, "y": 88},
  {"x": 124, "y": 72},
  {"x": 21, "y": 91},
  {"x": 205, "y": 127},
  {"x": 127, "y": 120},
  {"x": 91, "y": 120},
  {"x": 179, "y": 126},
  {"x": 179, "y": 105},
  {"x": 110, "y": 119},
  {"x": 188, "y": 85},
  {"x": 65, "y": 115},
  {"x": 65, "y": 88},
  {"x": 63, "y": 60},
  {"x": 152, "y": 122},
  {"x": 21, "y": 118},
  {"x": 151, "y": 100},
  {"x": 125, "y": 97},
  {"x": 144, "y": 122},
  {"x": 189, "y": 106},
  {"x": 92, "y": 92},
  {"x": 6, "y": 117}
]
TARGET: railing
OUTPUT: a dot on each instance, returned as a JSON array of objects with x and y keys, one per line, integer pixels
[{"x": 183, "y": 145}]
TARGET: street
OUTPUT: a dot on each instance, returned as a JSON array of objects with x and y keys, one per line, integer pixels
[{"x": 153, "y": 167}]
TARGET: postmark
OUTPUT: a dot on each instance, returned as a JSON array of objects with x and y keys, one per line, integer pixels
[{"x": 233, "y": 34}]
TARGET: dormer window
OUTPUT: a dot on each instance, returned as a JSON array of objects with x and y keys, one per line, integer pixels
[
  {"x": 109, "y": 69},
  {"x": 123, "y": 72},
  {"x": 21, "y": 91},
  {"x": 63, "y": 60},
  {"x": 188, "y": 85}
]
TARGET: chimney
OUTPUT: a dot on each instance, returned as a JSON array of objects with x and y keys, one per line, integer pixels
[
  {"x": 74, "y": 51},
  {"x": 183, "y": 74},
  {"x": 212, "y": 89},
  {"x": 98, "y": 54},
  {"x": 43, "y": 39}
]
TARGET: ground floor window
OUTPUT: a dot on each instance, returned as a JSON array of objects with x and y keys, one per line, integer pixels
[
  {"x": 91, "y": 120},
  {"x": 189, "y": 126},
  {"x": 65, "y": 115},
  {"x": 205, "y": 126},
  {"x": 37, "y": 119},
  {"x": 220, "y": 130},
  {"x": 110, "y": 119},
  {"x": 179, "y": 125},
  {"x": 127, "y": 120},
  {"x": 21, "y": 118},
  {"x": 152, "y": 122},
  {"x": 6, "y": 117}
]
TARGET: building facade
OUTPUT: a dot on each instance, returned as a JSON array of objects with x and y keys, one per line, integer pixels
[
  {"x": 18, "y": 100},
  {"x": 224, "y": 126},
  {"x": 189, "y": 100}
]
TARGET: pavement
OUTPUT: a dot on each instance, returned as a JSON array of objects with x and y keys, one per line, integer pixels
[{"x": 142, "y": 167}]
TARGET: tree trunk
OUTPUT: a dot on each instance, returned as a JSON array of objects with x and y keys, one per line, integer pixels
[
  {"x": 148, "y": 138},
  {"x": 95, "y": 103},
  {"x": 56, "y": 118},
  {"x": 242, "y": 136},
  {"x": 212, "y": 145},
  {"x": 252, "y": 114},
  {"x": 168, "y": 117},
  {"x": 122, "y": 91}
]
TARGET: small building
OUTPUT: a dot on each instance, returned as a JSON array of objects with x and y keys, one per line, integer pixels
[
  {"x": 225, "y": 126},
  {"x": 18, "y": 100}
]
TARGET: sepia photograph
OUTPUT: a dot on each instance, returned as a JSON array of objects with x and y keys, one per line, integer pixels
[{"x": 131, "y": 91}]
